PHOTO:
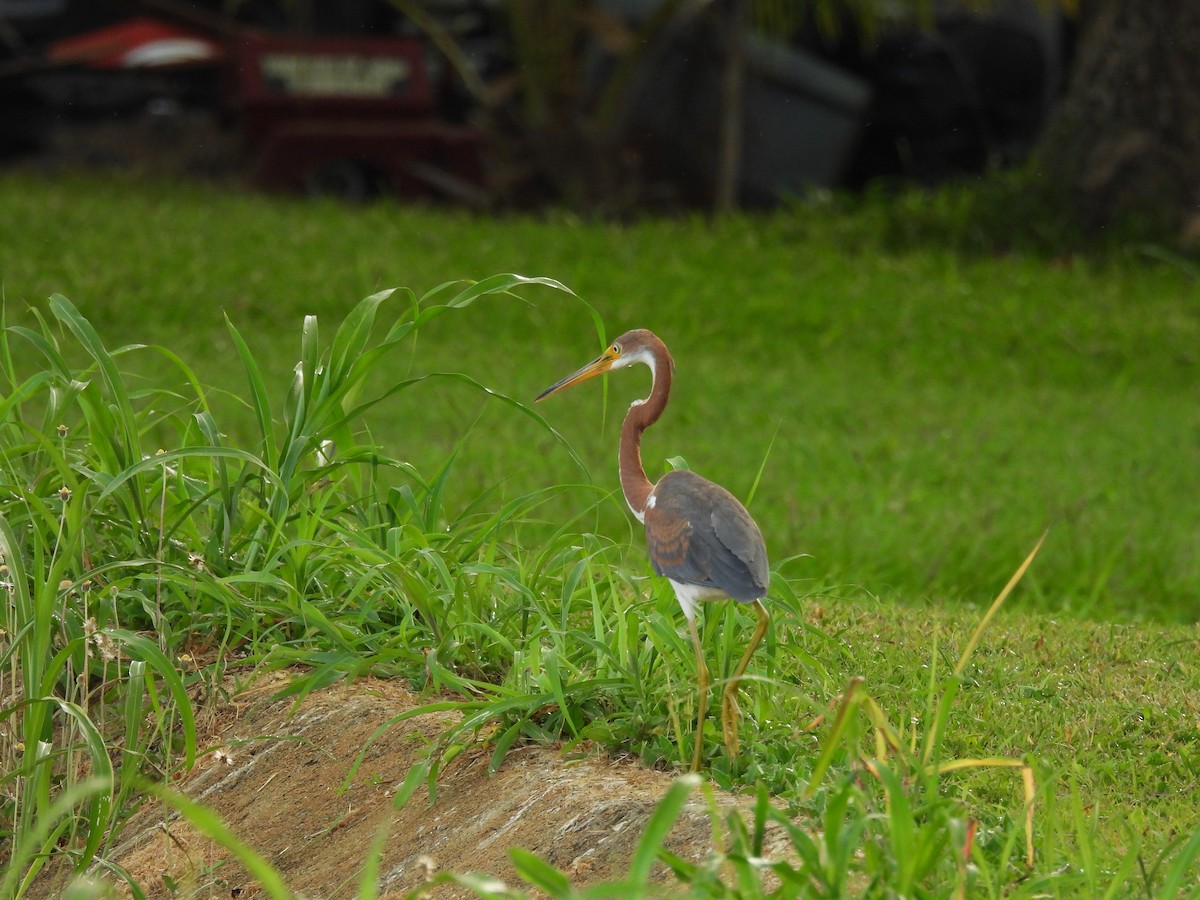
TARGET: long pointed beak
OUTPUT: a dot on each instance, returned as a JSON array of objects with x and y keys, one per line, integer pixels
[{"x": 597, "y": 366}]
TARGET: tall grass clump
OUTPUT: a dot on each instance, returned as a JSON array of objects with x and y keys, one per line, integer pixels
[{"x": 142, "y": 552}]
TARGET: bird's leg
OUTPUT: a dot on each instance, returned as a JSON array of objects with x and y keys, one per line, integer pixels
[
  {"x": 729, "y": 707},
  {"x": 702, "y": 701}
]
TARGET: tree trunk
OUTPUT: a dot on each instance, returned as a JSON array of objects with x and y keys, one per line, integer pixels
[
  {"x": 732, "y": 14},
  {"x": 1125, "y": 141}
]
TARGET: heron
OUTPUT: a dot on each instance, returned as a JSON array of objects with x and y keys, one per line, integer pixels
[{"x": 700, "y": 537}]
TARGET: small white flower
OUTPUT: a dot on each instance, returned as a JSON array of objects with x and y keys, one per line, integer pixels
[{"x": 106, "y": 646}]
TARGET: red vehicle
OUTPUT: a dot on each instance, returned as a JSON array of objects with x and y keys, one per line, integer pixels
[{"x": 349, "y": 116}]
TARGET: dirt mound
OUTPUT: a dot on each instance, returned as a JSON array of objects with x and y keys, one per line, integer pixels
[{"x": 277, "y": 782}]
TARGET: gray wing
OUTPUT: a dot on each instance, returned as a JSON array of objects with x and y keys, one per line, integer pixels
[{"x": 698, "y": 533}]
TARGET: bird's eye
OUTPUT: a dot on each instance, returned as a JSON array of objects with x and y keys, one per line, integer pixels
[{"x": 616, "y": 348}]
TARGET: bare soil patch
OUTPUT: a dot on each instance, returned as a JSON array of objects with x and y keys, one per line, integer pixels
[{"x": 278, "y": 783}]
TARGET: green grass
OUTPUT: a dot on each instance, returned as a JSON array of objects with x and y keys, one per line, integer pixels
[{"x": 932, "y": 412}]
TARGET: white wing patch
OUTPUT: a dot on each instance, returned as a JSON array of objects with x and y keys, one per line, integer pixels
[{"x": 690, "y": 595}]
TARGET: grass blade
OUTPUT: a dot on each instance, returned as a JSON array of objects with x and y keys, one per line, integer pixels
[
  {"x": 660, "y": 823},
  {"x": 368, "y": 884},
  {"x": 40, "y": 837},
  {"x": 150, "y": 652},
  {"x": 260, "y": 401},
  {"x": 1179, "y": 874},
  {"x": 66, "y": 313},
  {"x": 208, "y": 823},
  {"x": 996, "y": 604},
  {"x": 539, "y": 873}
]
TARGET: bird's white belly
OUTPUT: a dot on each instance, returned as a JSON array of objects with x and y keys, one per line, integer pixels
[{"x": 690, "y": 596}]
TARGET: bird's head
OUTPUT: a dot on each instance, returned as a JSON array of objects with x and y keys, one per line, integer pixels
[{"x": 637, "y": 346}]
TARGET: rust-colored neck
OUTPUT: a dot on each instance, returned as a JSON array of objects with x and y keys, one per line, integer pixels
[{"x": 642, "y": 414}]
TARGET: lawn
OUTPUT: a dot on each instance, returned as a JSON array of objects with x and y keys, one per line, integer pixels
[
  {"x": 911, "y": 414},
  {"x": 921, "y": 415}
]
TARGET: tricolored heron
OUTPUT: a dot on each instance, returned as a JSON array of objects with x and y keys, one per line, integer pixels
[{"x": 700, "y": 537}]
